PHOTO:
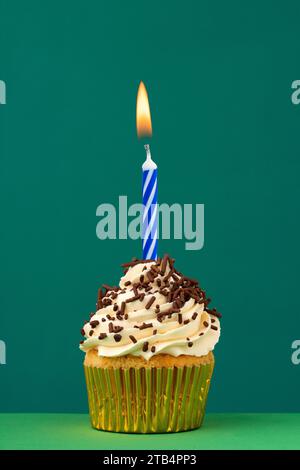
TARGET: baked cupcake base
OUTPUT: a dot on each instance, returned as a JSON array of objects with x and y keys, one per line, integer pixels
[{"x": 164, "y": 394}]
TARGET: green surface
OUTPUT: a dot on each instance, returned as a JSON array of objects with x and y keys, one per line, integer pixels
[
  {"x": 226, "y": 134},
  {"x": 220, "y": 431}
]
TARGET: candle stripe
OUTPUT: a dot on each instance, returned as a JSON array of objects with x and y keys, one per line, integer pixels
[
  {"x": 150, "y": 221},
  {"x": 153, "y": 247},
  {"x": 147, "y": 181},
  {"x": 151, "y": 184},
  {"x": 151, "y": 200},
  {"x": 150, "y": 248},
  {"x": 152, "y": 226}
]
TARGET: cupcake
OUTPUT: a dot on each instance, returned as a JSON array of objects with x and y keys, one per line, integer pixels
[{"x": 148, "y": 351}]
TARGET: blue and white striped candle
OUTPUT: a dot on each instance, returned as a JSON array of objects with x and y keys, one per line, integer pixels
[{"x": 150, "y": 209}]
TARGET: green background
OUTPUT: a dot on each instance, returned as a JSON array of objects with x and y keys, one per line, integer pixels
[
  {"x": 226, "y": 134},
  {"x": 220, "y": 431}
]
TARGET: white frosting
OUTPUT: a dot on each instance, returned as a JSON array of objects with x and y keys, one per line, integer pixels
[{"x": 195, "y": 338}]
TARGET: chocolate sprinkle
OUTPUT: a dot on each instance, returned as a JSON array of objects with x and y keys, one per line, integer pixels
[
  {"x": 117, "y": 338},
  {"x": 82, "y": 332},
  {"x": 180, "y": 318},
  {"x": 213, "y": 327},
  {"x": 145, "y": 346},
  {"x": 133, "y": 339},
  {"x": 91, "y": 332},
  {"x": 153, "y": 349},
  {"x": 194, "y": 316},
  {"x": 214, "y": 312},
  {"x": 150, "y": 302},
  {"x": 127, "y": 283},
  {"x": 164, "y": 265},
  {"x": 122, "y": 309},
  {"x": 190, "y": 344},
  {"x": 154, "y": 269},
  {"x": 94, "y": 323},
  {"x": 135, "y": 289},
  {"x": 205, "y": 324},
  {"x": 107, "y": 287},
  {"x": 186, "y": 322},
  {"x": 146, "y": 325},
  {"x": 117, "y": 329},
  {"x": 102, "y": 336},
  {"x": 167, "y": 277},
  {"x": 110, "y": 327},
  {"x": 99, "y": 300},
  {"x": 115, "y": 307},
  {"x": 154, "y": 332}
]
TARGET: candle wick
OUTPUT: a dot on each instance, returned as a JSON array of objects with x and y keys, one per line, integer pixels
[
  {"x": 148, "y": 154},
  {"x": 149, "y": 163}
]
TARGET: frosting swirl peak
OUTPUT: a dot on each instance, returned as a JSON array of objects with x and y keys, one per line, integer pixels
[{"x": 154, "y": 310}]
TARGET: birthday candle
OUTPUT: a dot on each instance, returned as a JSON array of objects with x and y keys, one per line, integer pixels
[
  {"x": 150, "y": 212},
  {"x": 150, "y": 209}
]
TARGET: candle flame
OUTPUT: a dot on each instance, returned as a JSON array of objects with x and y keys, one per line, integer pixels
[{"x": 143, "y": 116}]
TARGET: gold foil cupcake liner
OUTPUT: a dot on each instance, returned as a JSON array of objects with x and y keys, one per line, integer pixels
[{"x": 148, "y": 400}]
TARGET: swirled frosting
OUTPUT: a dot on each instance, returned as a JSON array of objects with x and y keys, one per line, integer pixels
[{"x": 154, "y": 310}]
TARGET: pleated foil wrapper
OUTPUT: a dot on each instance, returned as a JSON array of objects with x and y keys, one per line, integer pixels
[{"x": 148, "y": 400}]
